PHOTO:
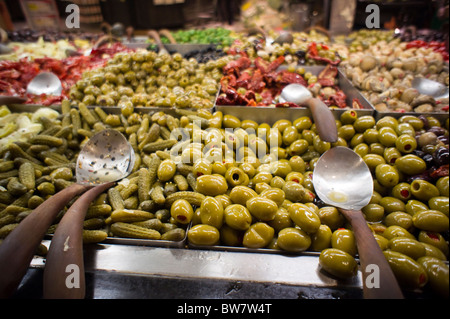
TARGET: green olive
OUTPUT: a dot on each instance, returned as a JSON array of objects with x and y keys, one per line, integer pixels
[
  {"x": 211, "y": 212},
  {"x": 298, "y": 147},
  {"x": 387, "y": 121},
  {"x": 275, "y": 194},
  {"x": 290, "y": 134},
  {"x": 231, "y": 121},
  {"x": 182, "y": 211},
  {"x": 241, "y": 194},
  {"x": 236, "y": 176},
  {"x": 230, "y": 236},
  {"x": 302, "y": 123},
  {"x": 377, "y": 148},
  {"x": 211, "y": 185},
  {"x": 373, "y": 212},
  {"x": 402, "y": 191},
  {"x": 434, "y": 239},
  {"x": 406, "y": 143},
  {"x": 371, "y": 136},
  {"x": 373, "y": 160},
  {"x": 262, "y": 208},
  {"x": 387, "y": 136},
  {"x": 344, "y": 239},
  {"x": 202, "y": 167},
  {"x": 440, "y": 203},
  {"x": 277, "y": 182},
  {"x": 431, "y": 220},
  {"x": 361, "y": 149},
  {"x": 259, "y": 235},
  {"x": 391, "y": 154},
  {"x": 392, "y": 204},
  {"x": 414, "y": 206},
  {"x": 346, "y": 132},
  {"x": 297, "y": 164},
  {"x": 386, "y": 175},
  {"x": 396, "y": 231},
  {"x": 338, "y": 263},
  {"x": 321, "y": 239},
  {"x": 407, "y": 246},
  {"x": 423, "y": 190},
  {"x": 382, "y": 242},
  {"x": 166, "y": 170},
  {"x": 438, "y": 274},
  {"x": 411, "y": 164},
  {"x": 331, "y": 217},
  {"x": 293, "y": 191},
  {"x": 237, "y": 217},
  {"x": 443, "y": 186},
  {"x": 414, "y": 121},
  {"x": 304, "y": 217},
  {"x": 409, "y": 273},
  {"x": 433, "y": 251},
  {"x": 203, "y": 235},
  {"x": 262, "y": 177},
  {"x": 293, "y": 240},
  {"x": 282, "y": 124},
  {"x": 401, "y": 219},
  {"x": 363, "y": 123},
  {"x": 281, "y": 220},
  {"x": 280, "y": 168}
]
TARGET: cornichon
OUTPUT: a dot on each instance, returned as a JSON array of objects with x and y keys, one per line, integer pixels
[
  {"x": 133, "y": 231},
  {"x": 158, "y": 146},
  {"x": 193, "y": 198}
]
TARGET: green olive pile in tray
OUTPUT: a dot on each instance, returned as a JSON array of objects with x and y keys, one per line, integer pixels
[{"x": 144, "y": 78}]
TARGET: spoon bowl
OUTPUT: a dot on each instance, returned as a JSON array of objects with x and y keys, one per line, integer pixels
[
  {"x": 45, "y": 83},
  {"x": 342, "y": 179},
  {"x": 430, "y": 87},
  {"x": 322, "y": 115}
]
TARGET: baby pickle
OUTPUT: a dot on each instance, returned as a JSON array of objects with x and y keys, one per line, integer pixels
[{"x": 338, "y": 263}]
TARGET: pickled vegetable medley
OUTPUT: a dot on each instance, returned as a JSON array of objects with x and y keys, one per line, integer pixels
[{"x": 245, "y": 184}]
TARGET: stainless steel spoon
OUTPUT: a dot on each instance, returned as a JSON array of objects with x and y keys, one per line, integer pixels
[
  {"x": 43, "y": 83},
  {"x": 430, "y": 87},
  {"x": 322, "y": 115},
  {"x": 342, "y": 179},
  {"x": 105, "y": 158}
]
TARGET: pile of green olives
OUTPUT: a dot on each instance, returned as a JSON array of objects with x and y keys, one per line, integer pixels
[
  {"x": 269, "y": 202},
  {"x": 145, "y": 79}
]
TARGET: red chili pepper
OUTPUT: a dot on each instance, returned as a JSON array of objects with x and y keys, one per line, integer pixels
[{"x": 313, "y": 48}]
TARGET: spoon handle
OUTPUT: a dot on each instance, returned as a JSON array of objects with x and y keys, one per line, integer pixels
[
  {"x": 64, "y": 268},
  {"x": 20, "y": 245},
  {"x": 324, "y": 119},
  {"x": 370, "y": 254}
]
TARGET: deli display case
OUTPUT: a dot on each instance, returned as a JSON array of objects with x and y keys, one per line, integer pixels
[{"x": 217, "y": 199}]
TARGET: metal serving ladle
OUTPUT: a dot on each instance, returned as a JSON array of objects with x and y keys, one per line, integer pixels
[
  {"x": 430, "y": 87},
  {"x": 342, "y": 179},
  {"x": 107, "y": 157},
  {"x": 43, "y": 83},
  {"x": 324, "y": 119}
]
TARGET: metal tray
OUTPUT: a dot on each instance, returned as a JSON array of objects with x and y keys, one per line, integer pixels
[{"x": 268, "y": 114}]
